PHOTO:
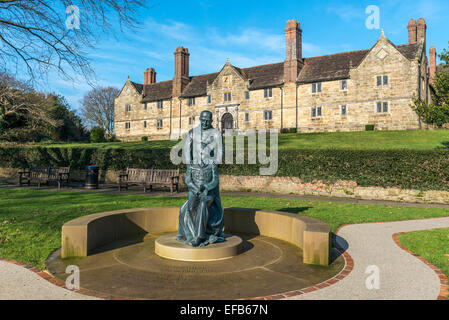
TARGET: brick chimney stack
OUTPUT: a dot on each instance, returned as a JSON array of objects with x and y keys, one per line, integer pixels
[
  {"x": 412, "y": 31},
  {"x": 432, "y": 63},
  {"x": 421, "y": 31},
  {"x": 181, "y": 78},
  {"x": 149, "y": 76},
  {"x": 293, "y": 46}
]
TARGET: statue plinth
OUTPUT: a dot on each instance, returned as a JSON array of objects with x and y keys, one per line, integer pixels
[{"x": 167, "y": 247}]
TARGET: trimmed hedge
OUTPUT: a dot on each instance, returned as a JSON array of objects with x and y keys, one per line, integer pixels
[{"x": 409, "y": 169}]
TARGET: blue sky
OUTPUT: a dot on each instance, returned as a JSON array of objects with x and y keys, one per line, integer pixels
[{"x": 249, "y": 33}]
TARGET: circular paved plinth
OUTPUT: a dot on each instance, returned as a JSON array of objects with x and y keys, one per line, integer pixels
[
  {"x": 168, "y": 247},
  {"x": 131, "y": 268}
]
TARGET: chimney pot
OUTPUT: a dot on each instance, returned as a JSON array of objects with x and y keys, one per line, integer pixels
[{"x": 149, "y": 76}]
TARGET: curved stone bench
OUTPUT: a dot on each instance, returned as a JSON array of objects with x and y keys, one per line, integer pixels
[{"x": 82, "y": 235}]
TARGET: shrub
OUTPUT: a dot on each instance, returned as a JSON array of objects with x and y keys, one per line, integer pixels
[
  {"x": 369, "y": 127},
  {"x": 293, "y": 130},
  {"x": 285, "y": 130},
  {"x": 144, "y": 139},
  {"x": 408, "y": 169},
  {"x": 97, "y": 134}
]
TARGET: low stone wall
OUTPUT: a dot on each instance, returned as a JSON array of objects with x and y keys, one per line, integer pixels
[
  {"x": 284, "y": 185},
  {"x": 82, "y": 235}
]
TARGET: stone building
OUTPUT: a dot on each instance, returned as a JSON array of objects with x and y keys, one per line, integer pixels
[{"x": 338, "y": 92}]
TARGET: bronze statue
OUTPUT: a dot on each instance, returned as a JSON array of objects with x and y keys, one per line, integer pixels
[{"x": 201, "y": 216}]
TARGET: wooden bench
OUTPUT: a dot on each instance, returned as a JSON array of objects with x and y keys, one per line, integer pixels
[
  {"x": 165, "y": 178},
  {"x": 149, "y": 178},
  {"x": 134, "y": 176},
  {"x": 45, "y": 175}
]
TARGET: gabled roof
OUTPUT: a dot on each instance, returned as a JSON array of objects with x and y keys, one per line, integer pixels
[
  {"x": 137, "y": 86},
  {"x": 336, "y": 66},
  {"x": 321, "y": 68}
]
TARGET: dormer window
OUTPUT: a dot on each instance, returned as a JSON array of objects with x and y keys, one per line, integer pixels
[
  {"x": 268, "y": 92},
  {"x": 316, "y": 87}
]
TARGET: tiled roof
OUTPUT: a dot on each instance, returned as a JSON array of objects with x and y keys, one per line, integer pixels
[
  {"x": 321, "y": 68},
  {"x": 138, "y": 86},
  {"x": 336, "y": 66},
  {"x": 198, "y": 85},
  {"x": 442, "y": 68},
  {"x": 157, "y": 91},
  {"x": 267, "y": 75}
]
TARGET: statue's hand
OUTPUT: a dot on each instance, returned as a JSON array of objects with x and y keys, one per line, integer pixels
[{"x": 204, "y": 192}]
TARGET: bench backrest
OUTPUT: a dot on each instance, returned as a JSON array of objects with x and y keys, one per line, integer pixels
[
  {"x": 138, "y": 175},
  {"x": 55, "y": 171},
  {"x": 39, "y": 172},
  {"x": 164, "y": 176}
]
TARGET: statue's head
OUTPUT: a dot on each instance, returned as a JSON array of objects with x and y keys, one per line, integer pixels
[{"x": 206, "y": 119}]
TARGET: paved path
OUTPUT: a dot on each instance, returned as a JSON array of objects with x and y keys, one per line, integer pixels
[
  {"x": 402, "y": 276},
  {"x": 18, "y": 283}
]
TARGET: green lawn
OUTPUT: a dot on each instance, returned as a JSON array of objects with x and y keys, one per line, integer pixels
[
  {"x": 412, "y": 139},
  {"x": 31, "y": 220},
  {"x": 432, "y": 245}
]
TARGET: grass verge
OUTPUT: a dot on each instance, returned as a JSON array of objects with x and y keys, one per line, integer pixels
[
  {"x": 31, "y": 220},
  {"x": 432, "y": 245}
]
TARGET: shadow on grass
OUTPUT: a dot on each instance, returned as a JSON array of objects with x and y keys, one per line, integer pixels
[
  {"x": 445, "y": 145},
  {"x": 295, "y": 209},
  {"x": 337, "y": 242}
]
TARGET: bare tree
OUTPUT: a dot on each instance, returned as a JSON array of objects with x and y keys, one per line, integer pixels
[
  {"x": 97, "y": 108},
  {"x": 17, "y": 97},
  {"x": 38, "y": 36}
]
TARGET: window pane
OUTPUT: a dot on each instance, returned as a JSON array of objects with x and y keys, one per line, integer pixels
[
  {"x": 271, "y": 115},
  {"x": 385, "y": 80},
  {"x": 229, "y": 97},
  {"x": 343, "y": 85},
  {"x": 343, "y": 110},
  {"x": 313, "y": 87},
  {"x": 313, "y": 111},
  {"x": 319, "y": 111},
  {"x": 246, "y": 116},
  {"x": 271, "y": 92},
  {"x": 385, "y": 107},
  {"x": 379, "y": 107},
  {"x": 319, "y": 87},
  {"x": 379, "y": 81}
]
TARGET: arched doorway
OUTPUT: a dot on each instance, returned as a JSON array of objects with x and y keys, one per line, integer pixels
[{"x": 227, "y": 122}]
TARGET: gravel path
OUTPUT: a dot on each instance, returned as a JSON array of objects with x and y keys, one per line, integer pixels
[{"x": 401, "y": 275}]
